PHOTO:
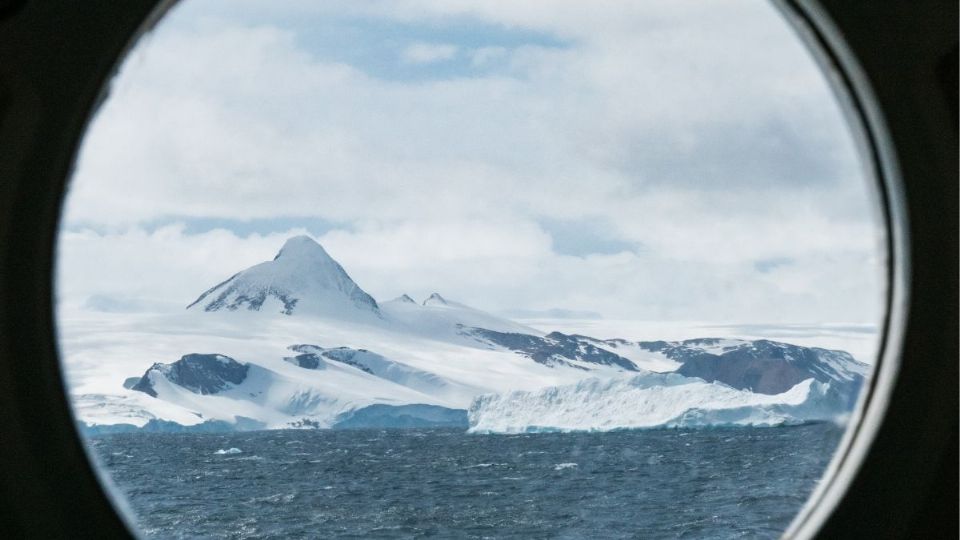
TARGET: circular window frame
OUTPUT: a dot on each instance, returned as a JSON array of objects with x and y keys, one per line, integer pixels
[{"x": 56, "y": 62}]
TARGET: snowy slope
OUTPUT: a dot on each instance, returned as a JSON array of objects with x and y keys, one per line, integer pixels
[
  {"x": 554, "y": 349},
  {"x": 278, "y": 397},
  {"x": 431, "y": 384},
  {"x": 359, "y": 365},
  {"x": 649, "y": 401},
  {"x": 302, "y": 278},
  {"x": 439, "y": 318},
  {"x": 645, "y": 358}
]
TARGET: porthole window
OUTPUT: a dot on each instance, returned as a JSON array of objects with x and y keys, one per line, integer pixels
[{"x": 469, "y": 270}]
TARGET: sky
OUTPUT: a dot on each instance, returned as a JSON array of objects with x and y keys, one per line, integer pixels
[{"x": 661, "y": 160}]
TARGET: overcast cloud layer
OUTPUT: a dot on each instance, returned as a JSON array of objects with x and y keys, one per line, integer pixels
[{"x": 648, "y": 160}]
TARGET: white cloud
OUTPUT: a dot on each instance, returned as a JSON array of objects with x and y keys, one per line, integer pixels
[
  {"x": 496, "y": 267},
  {"x": 428, "y": 53},
  {"x": 484, "y": 55},
  {"x": 163, "y": 269},
  {"x": 702, "y": 135}
]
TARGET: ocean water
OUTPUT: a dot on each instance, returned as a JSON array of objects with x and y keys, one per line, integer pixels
[{"x": 714, "y": 483}]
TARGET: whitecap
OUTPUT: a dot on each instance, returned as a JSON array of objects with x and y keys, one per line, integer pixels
[{"x": 228, "y": 451}]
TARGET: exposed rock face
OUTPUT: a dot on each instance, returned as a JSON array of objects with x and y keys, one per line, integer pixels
[
  {"x": 435, "y": 300},
  {"x": 763, "y": 366},
  {"x": 198, "y": 373},
  {"x": 553, "y": 349},
  {"x": 307, "y": 360},
  {"x": 351, "y": 357},
  {"x": 370, "y": 363}
]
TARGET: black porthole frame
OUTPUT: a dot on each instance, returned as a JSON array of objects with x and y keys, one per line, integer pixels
[{"x": 894, "y": 65}]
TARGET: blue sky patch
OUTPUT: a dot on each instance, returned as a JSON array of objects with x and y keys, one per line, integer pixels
[
  {"x": 240, "y": 227},
  {"x": 582, "y": 237},
  {"x": 375, "y": 45},
  {"x": 768, "y": 265}
]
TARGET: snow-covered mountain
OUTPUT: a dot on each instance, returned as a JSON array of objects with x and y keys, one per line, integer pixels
[
  {"x": 302, "y": 278},
  {"x": 294, "y": 342}
]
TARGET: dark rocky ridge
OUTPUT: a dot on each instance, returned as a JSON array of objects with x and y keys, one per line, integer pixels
[
  {"x": 309, "y": 359},
  {"x": 764, "y": 366},
  {"x": 346, "y": 355},
  {"x": 251, "y": 302},
  {"x": 198, "y": 373},
  {"x": 553, "y": 349},
  {"x": 435, "y": 299}
]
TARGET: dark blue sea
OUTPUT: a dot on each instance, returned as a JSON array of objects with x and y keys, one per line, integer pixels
[{"x": 716, "y": 483}]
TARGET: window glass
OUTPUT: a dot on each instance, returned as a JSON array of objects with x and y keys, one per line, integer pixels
[{"x": 468, "y": 269}]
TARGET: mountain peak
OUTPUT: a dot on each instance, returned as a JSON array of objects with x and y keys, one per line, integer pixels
[
  {"x": 301, "y": 246},
  {"x": 302, "y": 278},
  {"x": 435, "y": 300},
  {"x": 404, "y": 298}
]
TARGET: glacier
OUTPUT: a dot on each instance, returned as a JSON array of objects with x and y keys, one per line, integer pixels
[{"x": 650, "y": 400}]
